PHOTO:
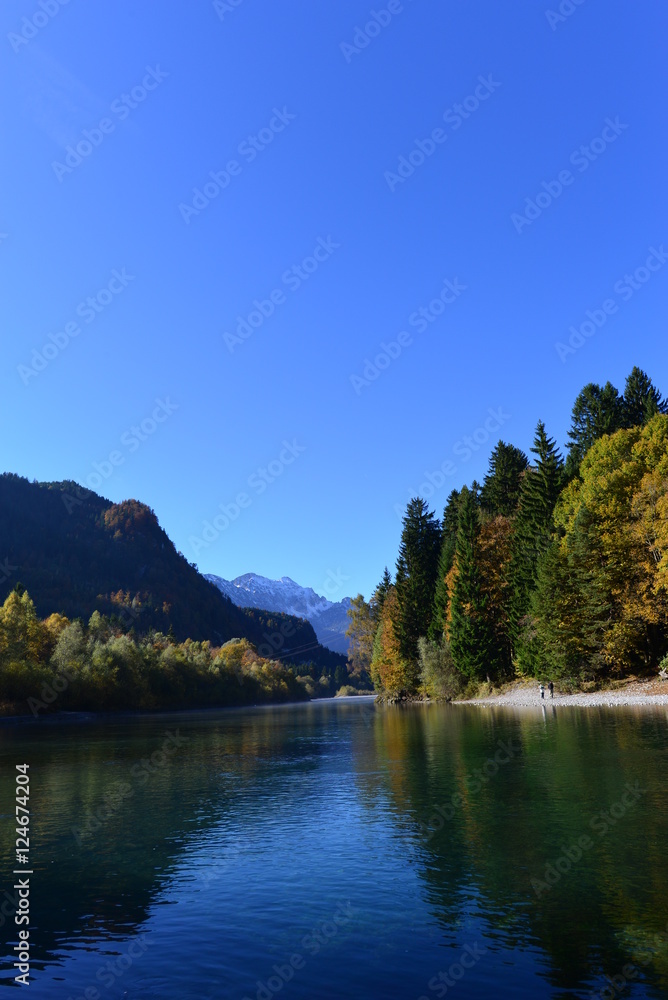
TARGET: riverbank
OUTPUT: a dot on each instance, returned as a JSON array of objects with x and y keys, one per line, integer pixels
[{"x": 527, "y": 695}]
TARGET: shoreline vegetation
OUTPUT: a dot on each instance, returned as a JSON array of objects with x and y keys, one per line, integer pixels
[
  {"x": 58, "y": 665},
  {"x": 550, "y": 570}
]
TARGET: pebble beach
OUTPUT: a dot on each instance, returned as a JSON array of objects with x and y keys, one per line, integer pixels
[{"x": 635, "y": 693}]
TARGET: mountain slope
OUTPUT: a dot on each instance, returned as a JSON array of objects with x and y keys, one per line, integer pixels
[
  {"x": 328, "y": 618},
  {"x": 76, "y": 552}
]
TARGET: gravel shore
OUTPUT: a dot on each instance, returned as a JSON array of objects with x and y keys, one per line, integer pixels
[{"x": 652, "y": 693}]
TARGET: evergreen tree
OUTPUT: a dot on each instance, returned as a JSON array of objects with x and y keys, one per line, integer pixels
[
  {"x": 501, "y": 487},
  {"x": 445, "y": 563},
  {"x": 534, "y": 525},
  {"x": 381, "y": 592},
  {"x": 598, "y": 410},
  {"x": 417, "y": 569},
  {"x": 570, "y": 607},
  {"x": 495, "y": 550},
  {"x": 471, "y": 640},
  {"x": 642, "y": 400}
]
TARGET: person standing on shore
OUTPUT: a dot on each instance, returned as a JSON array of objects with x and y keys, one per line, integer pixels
[
  {"x": 550, "y": 688},
  {"x": 542, "y": 691}
]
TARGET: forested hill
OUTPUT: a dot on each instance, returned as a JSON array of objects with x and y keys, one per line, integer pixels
[
  {"x": 77, "y": 553},
  {"x": 554, "y": 568}
]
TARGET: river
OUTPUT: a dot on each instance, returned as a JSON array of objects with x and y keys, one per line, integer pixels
[{"x": 337, "y": 849}]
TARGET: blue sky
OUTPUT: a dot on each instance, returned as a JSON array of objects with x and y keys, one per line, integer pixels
[{"x": 369, "y": 166}]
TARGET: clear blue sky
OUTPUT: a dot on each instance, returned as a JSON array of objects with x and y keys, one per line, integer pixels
[{"x": 333, "y": 111}]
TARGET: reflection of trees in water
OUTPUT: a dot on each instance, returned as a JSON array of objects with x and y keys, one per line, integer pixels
[
  {"x": 500, "y": 834},
  {"x": 105, "y": 887},
  {"x": 245, "y": 774}
]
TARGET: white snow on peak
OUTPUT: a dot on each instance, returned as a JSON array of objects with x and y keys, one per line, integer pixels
[{"x": 254, "y": 591}]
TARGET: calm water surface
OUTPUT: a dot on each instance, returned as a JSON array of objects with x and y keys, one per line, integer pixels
[{"x": 340, "y": 850}]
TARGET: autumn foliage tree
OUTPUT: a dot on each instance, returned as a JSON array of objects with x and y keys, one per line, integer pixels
[
  {"x": 390, "y": 672},
  {"x": 548, "y": 570}
]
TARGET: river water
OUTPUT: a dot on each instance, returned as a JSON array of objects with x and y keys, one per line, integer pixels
[{"x": 337, "y": 849}]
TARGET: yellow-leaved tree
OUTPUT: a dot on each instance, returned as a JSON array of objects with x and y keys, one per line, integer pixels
[
  {"x": 389, "y": 671},
  {"x": 622, "y": 489}
]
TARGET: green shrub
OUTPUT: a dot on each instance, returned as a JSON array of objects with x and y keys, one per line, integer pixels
[{"x": 439, "y": 677}]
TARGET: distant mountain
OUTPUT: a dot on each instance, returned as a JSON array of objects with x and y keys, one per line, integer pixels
[
  {"x": 329, "y": 619},
  {"x": 76, "y": 553}
]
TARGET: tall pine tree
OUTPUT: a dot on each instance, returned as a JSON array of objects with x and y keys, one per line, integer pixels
[
  {"x": 417, "y": 569},
  {"x": 598, "y": 410},
  {"x": 501, "y": 487},
  {"x": 381, "y": 591},
  {"x": 571, "y": 607},
  {"x": 445, "y": 563},
  {"x": 471, "y": 639},
  {"x": 533, "y": 526},
  {"x": 642, "y": 400}
]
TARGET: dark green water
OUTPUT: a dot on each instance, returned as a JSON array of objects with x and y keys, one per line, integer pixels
[{"x": 360, "y": 844}]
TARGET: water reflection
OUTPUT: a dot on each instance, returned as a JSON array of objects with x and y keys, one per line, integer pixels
[
  {"x": 438, "y": 826},
  {"x": 512, "y": 833}
]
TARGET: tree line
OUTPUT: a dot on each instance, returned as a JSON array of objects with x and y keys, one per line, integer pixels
[
  {"x": 551, "y": 568},
  {"x": 54, "y": 664},
  {"x": 77, "y": 553}
]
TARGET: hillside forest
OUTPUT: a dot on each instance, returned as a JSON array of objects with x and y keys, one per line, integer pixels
[{"x": 554, "y": 568}]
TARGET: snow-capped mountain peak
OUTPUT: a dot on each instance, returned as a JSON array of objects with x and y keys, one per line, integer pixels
[{"x": 329, "y": 619}]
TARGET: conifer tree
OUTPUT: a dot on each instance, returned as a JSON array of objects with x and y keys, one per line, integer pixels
[
  {"x": 598, "y": 410},
  {"x": 417, "y": 569},
  {"x": 642, "y": 400},
  {"x": 501, "y": 487},
  {"x": 381, "y": 592},
  {"x": 570, "y": 607},
  {"x": 534, "y": 525},
  {"x": 471, "y": 640},
  {"x": 445, "y": 563}
]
